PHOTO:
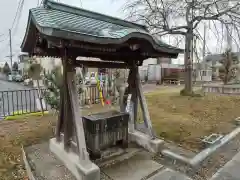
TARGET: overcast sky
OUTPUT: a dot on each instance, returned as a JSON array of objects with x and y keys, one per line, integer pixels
[{"x": 8, "y": 10}]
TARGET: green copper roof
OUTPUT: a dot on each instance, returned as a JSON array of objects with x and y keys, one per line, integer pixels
[
  {"x": 80, "y": 24},
  {"x": 60, "y": 20}
]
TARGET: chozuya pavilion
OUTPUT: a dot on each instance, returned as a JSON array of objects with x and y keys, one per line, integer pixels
[{"x": 59, "y": 30}]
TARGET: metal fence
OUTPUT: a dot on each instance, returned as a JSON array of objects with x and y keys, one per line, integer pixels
[
  {"x": 18, "y": 102},
  {"x": 25, "y": 101}
]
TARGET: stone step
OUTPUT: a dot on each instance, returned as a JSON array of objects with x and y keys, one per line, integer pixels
[
  {"x": 134, "y": 164},
  {"x": 169, "y": 174},
  {"x": 140, "y": 166},
  {"x": 117, "y": 155},
  {"x": 230, "y": 171}
]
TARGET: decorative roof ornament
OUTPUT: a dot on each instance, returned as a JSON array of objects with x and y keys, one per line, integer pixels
[
  {"x": 119, "y": 33},
  {"x": 44, "y": 2}
]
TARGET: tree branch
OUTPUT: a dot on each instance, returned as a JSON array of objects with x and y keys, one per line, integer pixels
[{"x": 216, "y": 16}]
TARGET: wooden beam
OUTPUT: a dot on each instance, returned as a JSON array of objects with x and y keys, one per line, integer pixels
[
  {"x": 101, "y": 64},
  {"x": 143, "y": 104},
  {"x": 76, "y": 117}
]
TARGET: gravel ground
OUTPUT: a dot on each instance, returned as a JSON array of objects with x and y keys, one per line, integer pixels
[
  {"x": 203, "y": 172},
  {"x": 40, "y": 156},
  {"x": 209, "y": 166}
]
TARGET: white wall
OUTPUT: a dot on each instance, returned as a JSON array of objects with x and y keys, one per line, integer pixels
[
  {"x": 204, "y": 75},
  {"x": 48, "y": 63},
  {"x": 2, "y": 64},
  {"x": 21, "y": 67},
  {"x": 149, "y": 61}
]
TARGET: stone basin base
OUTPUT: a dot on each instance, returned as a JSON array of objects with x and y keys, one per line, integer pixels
[{"x": 134, "y": 164}]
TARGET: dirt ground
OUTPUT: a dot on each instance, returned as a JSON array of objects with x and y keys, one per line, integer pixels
[{"x": 183, "y": 120}]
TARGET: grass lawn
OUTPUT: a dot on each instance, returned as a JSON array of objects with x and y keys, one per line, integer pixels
[{"x": 183, "y": 120}]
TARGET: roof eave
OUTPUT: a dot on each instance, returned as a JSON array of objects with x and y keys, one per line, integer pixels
[
  {"x": 103, "y": 40},
  {"x": 31, "y": 23},
  {"x": 26, "y": 32}
]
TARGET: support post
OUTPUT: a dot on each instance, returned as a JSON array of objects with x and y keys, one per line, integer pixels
[
  {"x": 148, "y": 141},
  {"x": 77, "y": 119},
  {"x": 134, "y": 99},
  {"x": 71, "y": 149},
  {"x": 143, "y": 104},
  {"x": 68, "y": 120},
  {"x": 135, "y": 88}
]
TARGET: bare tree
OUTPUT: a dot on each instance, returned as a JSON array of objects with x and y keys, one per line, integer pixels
[
  {"x": 182, "y": 17},
  {"x": 6, "y": 69}
]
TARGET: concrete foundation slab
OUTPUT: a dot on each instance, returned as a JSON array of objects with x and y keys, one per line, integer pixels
[
  {"x": 40, "y": 163},
  {"x": 85, "y": 170},
  {"x": 137, "y": 167},
  {"x": 168, "y": 174},
  {"x": 143, "y": 140},
  {"x": 128, "y": 153}
]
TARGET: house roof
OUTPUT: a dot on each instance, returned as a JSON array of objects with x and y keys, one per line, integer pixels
[
  {"x": 67, "y": 22},
  {"x": 217, "y": 57}
]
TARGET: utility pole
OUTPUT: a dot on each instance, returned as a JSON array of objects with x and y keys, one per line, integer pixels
[{"x": 10, "y": 47}]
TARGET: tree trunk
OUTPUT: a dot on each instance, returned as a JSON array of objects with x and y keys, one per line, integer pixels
[
  {"x": 40, "y": 96},
  {"x": 188, "y": 63},
  {"x": 158, "y": 62}
]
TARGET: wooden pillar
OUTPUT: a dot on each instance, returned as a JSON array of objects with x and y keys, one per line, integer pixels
[
  {"x": 143, "y": 104},
  {"x": 135, "y": 88},
  {"x": 68, "y": 121},
  {"x": 134, "y": 98}
]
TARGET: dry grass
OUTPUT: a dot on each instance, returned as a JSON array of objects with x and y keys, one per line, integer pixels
[
  {"x": 24, "y": 132},
  {"x": 13, "y": 135},
  {"x": 183, "y": 120}
]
